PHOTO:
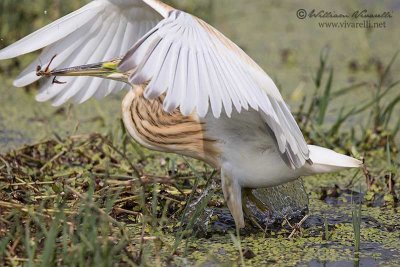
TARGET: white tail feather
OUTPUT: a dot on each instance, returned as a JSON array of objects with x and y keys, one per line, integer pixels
[{"x": 326, "y": 160}]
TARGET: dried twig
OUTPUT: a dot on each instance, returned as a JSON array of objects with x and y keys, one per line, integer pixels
[{"x": 297, "y": 226}]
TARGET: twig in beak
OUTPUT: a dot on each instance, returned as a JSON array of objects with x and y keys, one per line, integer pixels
[
  {"x": 46, "y": 72},
  {"x": 55, "y": 81}
]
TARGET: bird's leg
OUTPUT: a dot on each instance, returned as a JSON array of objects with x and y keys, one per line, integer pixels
[
  {"x": 247, "y": 194},
  {"x": 233, "y": 197}
]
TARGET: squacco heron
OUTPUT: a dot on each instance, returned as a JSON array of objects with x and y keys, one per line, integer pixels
[{"x": 191, "y": 91}]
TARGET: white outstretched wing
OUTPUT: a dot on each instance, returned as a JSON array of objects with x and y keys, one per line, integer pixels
[
  {"x": 181, "y": 56},
  {"x": 195, "y": 66},
  {"x": 99, "y": 31}
]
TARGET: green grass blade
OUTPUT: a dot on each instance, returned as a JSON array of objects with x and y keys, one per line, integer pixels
[
  {"x": 387, "y": 69},
  {"x": 346, "y": 90},
  {"x": 49, "y": 250},
  {"x": 388, "y": 111},
  {"x": 324, "y": 101}
]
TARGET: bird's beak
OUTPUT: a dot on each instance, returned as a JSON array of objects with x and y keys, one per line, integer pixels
[{"x": 106, "y": 70}]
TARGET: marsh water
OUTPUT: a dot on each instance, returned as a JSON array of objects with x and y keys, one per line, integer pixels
[{"x": 288, "y": 49}]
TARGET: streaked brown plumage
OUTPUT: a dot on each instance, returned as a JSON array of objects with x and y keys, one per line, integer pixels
[{"x": 172, "y": 132}]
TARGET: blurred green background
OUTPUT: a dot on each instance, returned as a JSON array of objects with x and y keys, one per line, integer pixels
[{"x": 268, "y": 30}]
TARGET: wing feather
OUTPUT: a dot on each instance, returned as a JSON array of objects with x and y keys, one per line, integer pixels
[
  {"x": 64, "y": 49},
  {"x": 215, "y": 94},
  {"x": 181, "y": 80},
  {"x": 156, "y": 83},
  {"x": 170, "y": 102},
  {"x": 189, "y": 102},
  {"x": 88, "y": 52},
  {"x": 98, "y": 84},
  {"x": 99, "y": 31},
  {"x": 54, "y": 31},
  {"x": 211, "y": 68},
  {"x": 203, "y": 79}
]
